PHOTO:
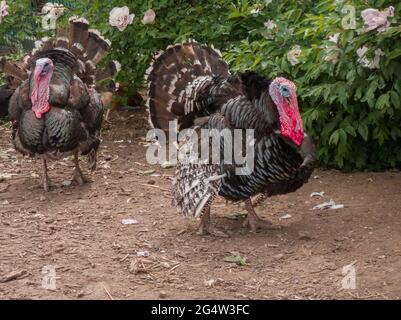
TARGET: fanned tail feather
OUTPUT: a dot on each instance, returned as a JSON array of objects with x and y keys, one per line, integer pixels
[
  {"x": 81, "y": 48},
  {"x": 175, "y": 79}
]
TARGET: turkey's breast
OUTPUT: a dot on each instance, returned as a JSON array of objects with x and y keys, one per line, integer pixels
[
  {"x": 276, "y": 164},
  {"x": 59, "y": 131}
]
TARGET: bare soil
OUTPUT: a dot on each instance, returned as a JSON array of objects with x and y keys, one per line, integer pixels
[{"x": 78, "y": 230}]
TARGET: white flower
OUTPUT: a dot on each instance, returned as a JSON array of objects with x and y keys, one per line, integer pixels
[
  {"x": 375, "y": 19},
  {"x": 55, "y": 10},
  {"x": 3, "y": 9},
  {"x": 149, "y": 17},
  {"x": 334, "y": 38},
  {"x": 375, "y": 64},
  {"x": 255, "y": 11},
  {"x": 365, "y": 62},
  {"x": 270, "y": 24},
  {"x": 361, "y": 52},
  {"x": 293, "y": 55},
  {"x": 120, "y": 18},
  {"x": 332, "y": 55}
]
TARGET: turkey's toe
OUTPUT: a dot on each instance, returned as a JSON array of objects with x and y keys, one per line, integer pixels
[
  {"x": 79, "y": 178},
  {"x": 211, "y": 231},
  {"x": 255, "y": 223}
]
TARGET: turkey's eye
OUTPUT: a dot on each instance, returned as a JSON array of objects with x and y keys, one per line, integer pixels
[
  {"x": 285, "y": 92},
  {"x": 45, "y": 68}
]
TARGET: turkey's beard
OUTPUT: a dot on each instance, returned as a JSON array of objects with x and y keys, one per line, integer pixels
[{"x": 40, "y": 96}]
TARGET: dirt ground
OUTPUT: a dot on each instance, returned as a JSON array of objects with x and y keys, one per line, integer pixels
[{"x": 78, "y": 231}]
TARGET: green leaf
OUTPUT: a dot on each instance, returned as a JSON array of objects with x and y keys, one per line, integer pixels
[
  {"x": 363, "y": 131},
  {"x": 383, "y": 101}
]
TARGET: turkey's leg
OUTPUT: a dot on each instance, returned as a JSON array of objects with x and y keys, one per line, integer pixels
[
  {"x": 205, "y": 228},
  {"x": 45, "y": 176},
  {"x": 253, "y": 221},
  {"x": 78, "y": 177}
]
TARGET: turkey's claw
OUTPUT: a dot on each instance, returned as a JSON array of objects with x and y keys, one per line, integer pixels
[
  {"x": 205, "y": 228},
  {"x": 79, "y": 177},
  {"x": 254, "y": 222}
]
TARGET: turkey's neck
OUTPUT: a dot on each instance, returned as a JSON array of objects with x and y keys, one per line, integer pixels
[
  {"x": 62, "y": 74},
  {"x": 40, "y": 96}
]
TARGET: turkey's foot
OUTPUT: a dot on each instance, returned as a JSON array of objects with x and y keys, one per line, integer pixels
[
  {"x": 205, "y": 228},
  {"x": 79, "y": 177},
  {"x": 253, "y": 222}
]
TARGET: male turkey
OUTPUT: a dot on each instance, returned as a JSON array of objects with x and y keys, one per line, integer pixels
[
  {"x": 5, "y": 95},
  {"x": 191, "y": 85},
  {"x": 56, "y": 110}
]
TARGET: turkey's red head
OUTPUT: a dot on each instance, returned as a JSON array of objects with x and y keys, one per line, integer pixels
[
  {"x": 40, "y": 91},
  {"x": 283, "y": 94}
]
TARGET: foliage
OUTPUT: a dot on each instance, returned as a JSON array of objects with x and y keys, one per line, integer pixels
[{"x": 352, "y": 111}]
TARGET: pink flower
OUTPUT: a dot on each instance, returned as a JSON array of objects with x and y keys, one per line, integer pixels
[
  {"x": 375, "y": 19},
  {"x": 149, "y": 17},
  {"x": 3, "y": 9},
  {"x": 120, "y": 18}
]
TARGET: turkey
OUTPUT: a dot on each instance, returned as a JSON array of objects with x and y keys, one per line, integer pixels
[
  {"x": 191, "y": 86},
  {"x": 56, "y": 111},
  {"x": 5, "y": 95}
]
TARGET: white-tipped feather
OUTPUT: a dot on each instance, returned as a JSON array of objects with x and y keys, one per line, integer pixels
[{"x": 118, "y": 65}]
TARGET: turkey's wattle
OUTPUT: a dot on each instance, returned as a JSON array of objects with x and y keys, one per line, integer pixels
[
  {"x": 40, "y": 91},
  {"x": 283, "y": 93}
]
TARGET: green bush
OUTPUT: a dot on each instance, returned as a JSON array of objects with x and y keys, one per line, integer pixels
[{"x": 353, "y": 111}]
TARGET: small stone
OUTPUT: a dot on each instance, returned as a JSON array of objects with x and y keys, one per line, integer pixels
[
  {"x": 167, "y": 164},
  {"x": 162, "y": 294},
  {"x": 42, "y": 198},
  {"x": 304, "y": 236},
  {"x": 278, "y": 256},
  {"x": 129, "y": 221},
  {"x": 151, "y": 181}
]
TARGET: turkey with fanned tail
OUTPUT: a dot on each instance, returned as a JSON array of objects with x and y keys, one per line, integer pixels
[
  {"x": 191, "y": 86},
  {"x": 56, "y": 110}
]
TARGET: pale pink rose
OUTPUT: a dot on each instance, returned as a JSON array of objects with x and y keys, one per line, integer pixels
[
  {"x": 120, "y": 18},
  {"x": 375, "y": 19},
  {"x": 3, "y": 9},
  {"x": 149, "y": 17}
]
